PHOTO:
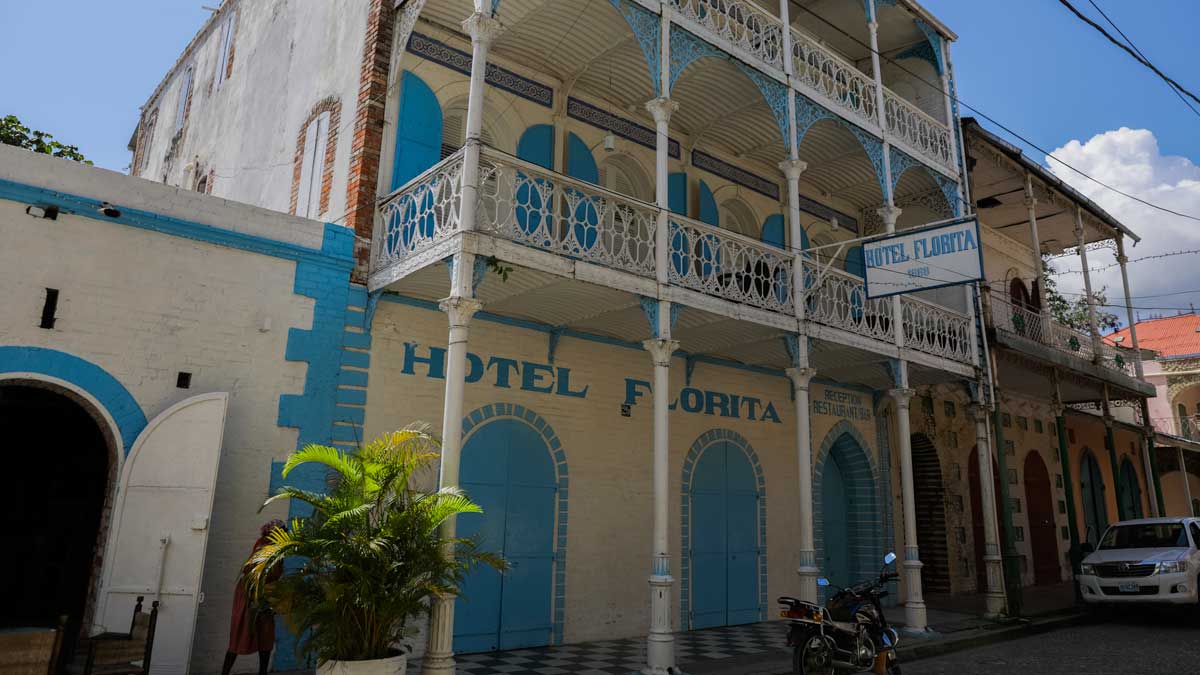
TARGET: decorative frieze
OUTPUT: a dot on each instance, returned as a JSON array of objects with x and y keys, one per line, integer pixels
[
  {"x": 501, "y": 78},
  {"x": 703, "y": 160},
  {"x": 625, "y": 128}
]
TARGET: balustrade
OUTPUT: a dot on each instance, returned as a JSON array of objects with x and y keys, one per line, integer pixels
[
  {"x": 839, "y": 300},
  {"x": 922, "y": 132},
  {"x": 936, "y": 330},
  {"x": 744, "y": 24},
  {"x": 421, "y": 212},
  {"x": 728, "y": 265},
  {"x": 834, "y": 80},
  {"x": 1032, "y": 325}
]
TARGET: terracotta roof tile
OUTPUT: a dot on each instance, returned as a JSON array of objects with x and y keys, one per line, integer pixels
[{"x": 1169, "y": 336}]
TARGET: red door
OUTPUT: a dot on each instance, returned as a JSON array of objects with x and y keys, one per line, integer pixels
[
  {"x": 1042, "y": 537},
  {"x": 977, "y": 515}
]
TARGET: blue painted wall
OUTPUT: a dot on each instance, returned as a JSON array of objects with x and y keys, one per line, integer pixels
[
  {"x": 536, "y": 145},
  {"x": 582, "y": 165},
  {"x": 773, "y": 231},
  {"x": 677, "y": 193},
  {"x": 708, "y": 206},
  {"x": 418, "y": 130}
]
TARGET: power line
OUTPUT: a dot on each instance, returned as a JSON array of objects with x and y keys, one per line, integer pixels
[
  {"x": 1147, "y": 60},
  {"x": 938, "y": 87},
  {"x": 1137, "y": 57}
]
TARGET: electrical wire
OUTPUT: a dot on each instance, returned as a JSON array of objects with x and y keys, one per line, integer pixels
[{"x": 1010, "y": 131}]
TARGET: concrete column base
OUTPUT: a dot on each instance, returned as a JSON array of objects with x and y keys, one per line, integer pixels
[
  {"x": 997, "y": 601},
  {"x": 808, "y": 582},
  {"x": 439, "y": 655},
  {"x": 915, "y": 616},
  {"x": 660, "y": 643}
]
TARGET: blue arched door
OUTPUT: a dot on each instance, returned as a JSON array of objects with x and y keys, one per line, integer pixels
[
  {"x": 1131, "y": 492},
  {"x": 508, "y": 470},
  {"x": 724, "y": 555},
  {"x": 835, "y": 512},
  {"x": 1095, "y": 514}
]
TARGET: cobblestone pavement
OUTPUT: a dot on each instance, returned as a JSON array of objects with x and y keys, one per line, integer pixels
[{"x": 1138, "y": 642}]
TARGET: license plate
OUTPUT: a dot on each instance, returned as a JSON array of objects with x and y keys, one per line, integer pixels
[{"x": 1128, "y": 587}]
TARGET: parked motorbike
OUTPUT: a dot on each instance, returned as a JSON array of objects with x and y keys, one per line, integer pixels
[{"x": 849, "y": 634}]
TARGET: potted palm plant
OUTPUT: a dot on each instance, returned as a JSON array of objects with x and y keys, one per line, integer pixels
[{"x": 370, "y": 555}]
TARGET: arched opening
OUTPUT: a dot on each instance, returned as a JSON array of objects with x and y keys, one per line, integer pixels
[
  {"x": 737, "y": 216},
  {"x": 1131, "y": 492},
  {"x": 930, "y": 496},
  {"x": 621, "y": 173},
  {"x": 1019, "y": 294},
  {"x": 977, "y": 526},
  {"x": 848, "y": 524},
  {"x": 1043, "y": 535},
  {"x": 60, "y": 466},
  {"x": 723, "y": 492},
  {"x": 508, "y": 469},
  {"x": 1092, "y": 489}
]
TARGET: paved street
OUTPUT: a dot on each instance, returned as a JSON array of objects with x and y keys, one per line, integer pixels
[{"x": 1137, "y": 644}]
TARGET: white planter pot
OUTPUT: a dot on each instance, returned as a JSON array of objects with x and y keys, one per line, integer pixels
[{"x": 396, "y": 665}]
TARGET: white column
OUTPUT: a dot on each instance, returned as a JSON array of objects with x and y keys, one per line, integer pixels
[
  {"x": 439, "y": 659},
  {"x": 890, "y": 213},
  {"x": 808, "y": 571},
  {"x": 914, "y": 605},
  {"x": 483, "y": 29},
  {"x": 877, "y": 73},
  {"x": 1122, "y": 260},
  {"x": 992, "y": 560},
  {"x": 1087, "y": 282},
  {"x": 1187, "y": 484},
  {"x": 660, "y": 644},
  {"x": 792, "y": 168},
  {"x": 786, "y": 19},
  {"x": 662, "y": 108}
]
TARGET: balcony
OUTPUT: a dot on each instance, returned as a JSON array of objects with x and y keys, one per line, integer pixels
[
  {"x": 745, "y": 29},
  {"x": 1022, "y": 328},
  {"x": 538, "y": 218}
]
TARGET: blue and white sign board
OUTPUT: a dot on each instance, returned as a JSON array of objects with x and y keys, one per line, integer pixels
[{"x": 918, "y": 260}]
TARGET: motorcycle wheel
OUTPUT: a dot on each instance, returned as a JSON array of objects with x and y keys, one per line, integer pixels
[{"x": 812, "y": 657}]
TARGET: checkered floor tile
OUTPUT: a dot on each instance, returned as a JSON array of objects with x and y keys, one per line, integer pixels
[{"x": 621, "y": 657}]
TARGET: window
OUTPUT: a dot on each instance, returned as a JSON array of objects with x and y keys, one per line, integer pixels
[
  {"x": 1150, "y": 535},
  {"x": 185, "y": 98},
  {"x": 145, "y": 138},
  {"x": 1195, "y": 528},
  {"x": 225, "y": 50},
  {"x": 312, "y": 167}
]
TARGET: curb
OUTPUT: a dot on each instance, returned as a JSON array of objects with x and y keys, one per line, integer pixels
[{"x": 1014, "y": 632}]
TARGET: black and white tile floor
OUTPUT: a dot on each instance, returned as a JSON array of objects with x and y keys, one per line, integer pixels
[{"x": 621, "y": 657}]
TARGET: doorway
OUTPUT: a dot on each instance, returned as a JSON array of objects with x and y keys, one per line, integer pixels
[
  {"x": 1130, "y": 492},
  {"x": 848, "y": 530},
  {"x": 1095, "y": 511},
  {"x": 930, "y": 496},
  {"x": 59, "y": 469},
  {"x": 1043, "y": 536}
]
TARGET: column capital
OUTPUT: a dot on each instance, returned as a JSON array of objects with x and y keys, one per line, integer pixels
[
  {"x": 801, "y": 376},
  {"x": 1030, "y": 201},
  {"x": 460, "y": 309},
  {"x": 1058, "y": 408},
  {"x": 792, "y": 168},
  {"x": 482, "y": 28},
  {"x": 661, "y": 350},
  {"x": 662, "y": 108},
  {"x": 890, "y": 214},
  {"x": 902, "y": 396},
  {"x": 980, "y": 412}
]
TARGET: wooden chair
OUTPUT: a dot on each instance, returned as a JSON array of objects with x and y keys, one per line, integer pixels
[
  {"x": 122, "y": 653},
  {"x": 31, "y": 651}
]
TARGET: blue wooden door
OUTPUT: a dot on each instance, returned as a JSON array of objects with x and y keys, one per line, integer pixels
[
  {"x": 835, "y": 510},
  {"x": 507, "y": 469},
  {"x": 724, "y": 555},
  {"x": 1131, "y": 492},
  {"x": 1095, "y": 514}
]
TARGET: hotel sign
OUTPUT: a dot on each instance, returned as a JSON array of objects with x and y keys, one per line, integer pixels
[{"x": 918, "y": 260}]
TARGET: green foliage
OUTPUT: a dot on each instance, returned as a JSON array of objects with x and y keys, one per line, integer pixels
[
  {"x": 12, "y": 132},
  {"x": 1074, "y": 313},
  {"x": 371, "y": 554}
]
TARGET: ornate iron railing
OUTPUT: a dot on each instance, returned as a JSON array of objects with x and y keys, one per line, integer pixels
[
  {"x": 728, "y": 265},
  {"x": 936, "y": 330},
  {"x": 834, "y": 79},
  {"x": 839, "y": 300},
  {"x": 922, "y": 132},
  {"x": 525, "y": 203},
  {"x": 421, "y": 212},
  {"x": 744, "y": 24},
  {"x": 1032, "y": 325}
]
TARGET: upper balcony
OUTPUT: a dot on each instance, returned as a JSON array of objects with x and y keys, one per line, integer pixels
[{"x": 551, "y": 226}]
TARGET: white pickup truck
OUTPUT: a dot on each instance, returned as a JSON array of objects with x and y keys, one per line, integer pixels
[{"x": 1152, "y": 560}]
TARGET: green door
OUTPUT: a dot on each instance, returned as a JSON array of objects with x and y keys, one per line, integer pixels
[
  {"x": 1095, "y": 515},
  {"x": 835, "y": 511}
]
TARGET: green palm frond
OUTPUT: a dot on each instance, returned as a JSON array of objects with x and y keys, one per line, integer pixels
[{"x": 343, "y": 463}]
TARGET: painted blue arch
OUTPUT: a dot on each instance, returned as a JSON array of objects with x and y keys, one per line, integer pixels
[
  {"x": 707, "y": 206},
  {"x": 514, "y": 465},
  {"x": 677, "y": 184},
  {"x": 856, "y": 527},
  {"x": 535, "y": 146},
  {"x": 418, "y": 130},
  {"x": 854, "y": 262},
  {"x": 89, "y": 377},
  {"x": 773, "y": 232},
  {"x": 581, "y": 164},
  {"x": 723, "y": 521}
]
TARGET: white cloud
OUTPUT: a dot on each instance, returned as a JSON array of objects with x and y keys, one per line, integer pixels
[{"x": 1130, "y": 160}]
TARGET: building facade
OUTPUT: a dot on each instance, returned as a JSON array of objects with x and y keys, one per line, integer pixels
[{"x": 613, "y": 250}]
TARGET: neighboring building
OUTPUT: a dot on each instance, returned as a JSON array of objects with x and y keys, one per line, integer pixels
[
  {"x": 615, "y": 205},
  {"x": 1175, "y": 410}
]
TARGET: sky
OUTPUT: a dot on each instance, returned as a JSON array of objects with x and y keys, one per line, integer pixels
[{"x": 80, "y": 69}]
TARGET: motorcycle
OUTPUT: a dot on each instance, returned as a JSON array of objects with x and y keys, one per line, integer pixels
[{"x": 849, "y": 634}]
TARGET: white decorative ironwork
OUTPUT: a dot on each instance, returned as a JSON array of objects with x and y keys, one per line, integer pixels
[
  {"x": 833, "y": 79},
  {"x": 1031, "y": 325},
  {"x": 744, "y": 24},
  {"x": 421, "y": 212},
  {"x": 839, "y": 300},
  {"x": 525, "y": 203},
  {"x": 728, "y": 265},
  {"x": 918, "y": 130},
  {"x": 936, "y": 330}
]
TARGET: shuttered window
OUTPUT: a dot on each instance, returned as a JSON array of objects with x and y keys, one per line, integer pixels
[
  {"x": 312, "y": 167},
  {"x": 185, "y": 93},
  {"x": 225, "y": 49}
]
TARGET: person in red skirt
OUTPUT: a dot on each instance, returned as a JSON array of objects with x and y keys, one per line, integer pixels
[{"x": 252, "y": 628}]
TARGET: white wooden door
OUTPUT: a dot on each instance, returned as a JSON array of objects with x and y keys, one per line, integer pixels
[{"x": 159, "y": 529}]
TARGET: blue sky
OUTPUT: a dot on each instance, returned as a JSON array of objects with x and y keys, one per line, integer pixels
[{"x": 80, "y": 69}]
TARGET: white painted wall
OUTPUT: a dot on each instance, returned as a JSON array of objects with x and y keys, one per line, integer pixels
[{"x": 288, "y": 55}]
